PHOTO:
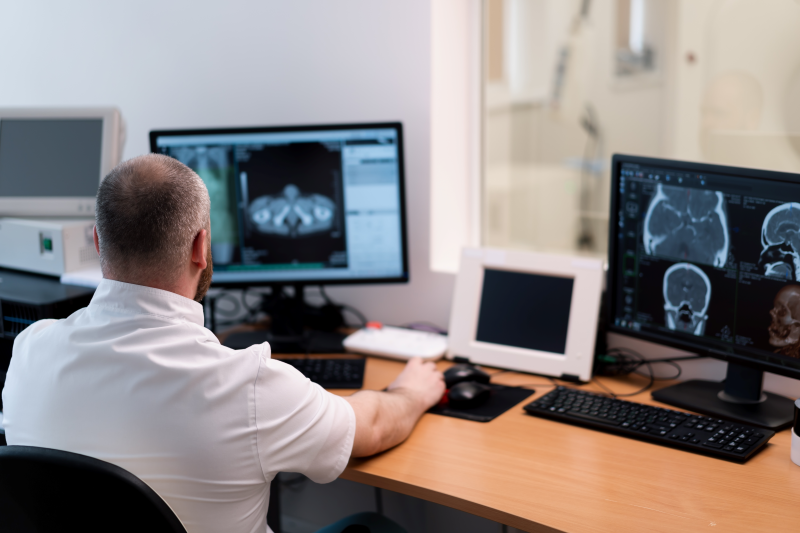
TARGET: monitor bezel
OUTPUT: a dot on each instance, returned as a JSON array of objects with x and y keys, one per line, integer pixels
[
  {"x": 397, "y": 126},
  {"x": 733, "y": 354},
  {"x": 578, "y": 357},
  {"x": 110, "y": 156}
]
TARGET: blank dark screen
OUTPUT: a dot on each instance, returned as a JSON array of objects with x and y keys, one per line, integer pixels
[
  {"x": 525, "y": 310},
  {"x": 50, "y": 157}
]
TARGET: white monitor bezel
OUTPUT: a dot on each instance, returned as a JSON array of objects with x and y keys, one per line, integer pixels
[
  {"x": 110, "y": 155},
  {"x": 588, "y": 276}
]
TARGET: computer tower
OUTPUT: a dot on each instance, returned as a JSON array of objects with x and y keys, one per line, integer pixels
[{"x": 26, "y": 298}]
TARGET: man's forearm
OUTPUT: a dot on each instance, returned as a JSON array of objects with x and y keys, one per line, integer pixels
[{"x": 383, "y": 419}]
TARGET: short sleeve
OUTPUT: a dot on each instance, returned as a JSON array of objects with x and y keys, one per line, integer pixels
[{"x": 300, "y": 426}]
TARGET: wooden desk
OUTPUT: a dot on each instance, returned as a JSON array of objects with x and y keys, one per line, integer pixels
[{"x": 539, "y": 475}]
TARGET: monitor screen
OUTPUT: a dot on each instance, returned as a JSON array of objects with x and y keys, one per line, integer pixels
[
  {"x": 524, "y": 310},
  {"x": 50, "y": 157},
  {"x": 300, "y": 204},
  {"x": 707, "y": 258}
]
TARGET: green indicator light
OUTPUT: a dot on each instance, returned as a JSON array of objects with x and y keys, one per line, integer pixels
[{"x": 47, "y": 244}]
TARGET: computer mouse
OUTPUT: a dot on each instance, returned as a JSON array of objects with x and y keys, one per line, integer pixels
[
  {"x": 468, "y": 394},
  {"x": 464, "y": 372}
]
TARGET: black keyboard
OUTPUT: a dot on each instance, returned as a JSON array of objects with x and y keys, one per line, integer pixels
[
  {"x": 710, "y": 436},
  {"x": 332, "y": 373}
]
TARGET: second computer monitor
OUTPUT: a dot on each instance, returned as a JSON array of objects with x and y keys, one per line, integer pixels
[{"x": 302, "y": 204}]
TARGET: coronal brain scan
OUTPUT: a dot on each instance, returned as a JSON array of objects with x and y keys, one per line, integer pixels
[
  {"x": 687, "y": 224},
  {"x": 292, "y": 214},
  {"x": 784, "y": 332},
  {"x": 687, "y": 293},
  {"x": 780, "y": 241}
]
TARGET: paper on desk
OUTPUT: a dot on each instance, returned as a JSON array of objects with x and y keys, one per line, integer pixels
[{"x": 85, "y": 278}]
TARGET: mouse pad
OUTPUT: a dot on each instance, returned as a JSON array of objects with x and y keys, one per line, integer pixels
[{"x": 502, "y": 399}]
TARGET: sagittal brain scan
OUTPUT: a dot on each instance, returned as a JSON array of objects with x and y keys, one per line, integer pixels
[
  {"x": 780, "y": 241},
  {"x": 687, "y": 224},
  {"x": 292, "y": 214},
  {"x": 784, "y": 331},
  {"x": 687, "y": 293}
]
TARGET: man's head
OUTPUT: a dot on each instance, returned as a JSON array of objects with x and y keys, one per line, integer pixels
[{"x": 153, "y": 225}]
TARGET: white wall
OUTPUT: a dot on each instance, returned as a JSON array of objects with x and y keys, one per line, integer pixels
[{"x": 184, "y": 64}]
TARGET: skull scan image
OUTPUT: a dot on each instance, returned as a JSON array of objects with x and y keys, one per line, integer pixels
[
  {"x": 784, "y": 331},
  {"x": 292, "y": 214},
  {"x": 687, "y": 224},
  {"x": 780, "y": 241},
  {"x": 687, "y": 292}
]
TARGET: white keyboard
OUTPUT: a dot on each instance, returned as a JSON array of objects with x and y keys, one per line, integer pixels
[{"x": 397, "y": 343}]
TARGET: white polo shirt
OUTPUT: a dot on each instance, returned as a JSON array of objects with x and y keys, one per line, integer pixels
[{"x": 136, "y": 380}]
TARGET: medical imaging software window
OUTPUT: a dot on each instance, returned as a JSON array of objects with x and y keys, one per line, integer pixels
[
  {"x": 300, "y": 203},
  {"x": 711, "y": 256}
]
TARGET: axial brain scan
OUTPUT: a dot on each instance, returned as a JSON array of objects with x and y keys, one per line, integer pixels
[
  {"x": 780, "y": 239},
  {"x": 687, "y": 224},
  {"x": 292, "y": 214},
  {"x": 784, "y": 332},
  {"x": 687, "y": 292}
]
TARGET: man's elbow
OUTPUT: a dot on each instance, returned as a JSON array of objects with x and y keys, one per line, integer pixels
[{"x": 369, "y": 443}]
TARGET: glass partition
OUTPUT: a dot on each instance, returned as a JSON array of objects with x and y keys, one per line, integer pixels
[{"x": 567, "y": 83}]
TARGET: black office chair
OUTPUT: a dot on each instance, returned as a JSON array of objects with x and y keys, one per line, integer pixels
[{"x": 44, "y": 490}]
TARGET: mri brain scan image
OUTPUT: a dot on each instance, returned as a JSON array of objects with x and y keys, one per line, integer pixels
[
  {"x": 687, "y": 293},
  {"x": 291, "y": 213},
  {"x": 784, "y": 331},
  {"x": 687, "y": 224},
  {"x": 780, "y": 240}
]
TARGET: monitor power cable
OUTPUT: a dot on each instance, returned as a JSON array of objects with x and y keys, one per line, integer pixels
[{"x": 624, "y": 361}]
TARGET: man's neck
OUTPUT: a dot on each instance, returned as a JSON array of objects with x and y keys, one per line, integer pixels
[{"x": 181, "y": 287}]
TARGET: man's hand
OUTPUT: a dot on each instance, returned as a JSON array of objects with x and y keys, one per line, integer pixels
[
  {"x": 421, "y": 381},
  {"x": 385, "y": 419}
]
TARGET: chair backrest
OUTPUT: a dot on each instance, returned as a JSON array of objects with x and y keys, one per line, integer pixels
[{"x": 44, "y": 490}]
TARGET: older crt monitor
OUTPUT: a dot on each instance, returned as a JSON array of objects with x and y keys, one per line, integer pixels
[
  {"x": 52, "y": 160},
  {"x": 300, "y": 205},
  {"x": 707, "y": 258},
  {"x": 526, "y": 311}
]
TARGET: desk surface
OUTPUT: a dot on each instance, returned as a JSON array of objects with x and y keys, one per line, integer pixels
[{"x": 539, "y": 475}]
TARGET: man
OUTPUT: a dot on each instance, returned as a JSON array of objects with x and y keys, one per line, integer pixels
[{"x": 135, "y": 379}]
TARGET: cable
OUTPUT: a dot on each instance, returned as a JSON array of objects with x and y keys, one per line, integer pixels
[
  {"x": 225, "y": 296},
  {"x": 253, "y": 311},
  {"x": 625, "y": 361},
  {"x": 344, "y": 307},
  {"x": 325, "y": 295},
  {"x": 357, "y": 313}
]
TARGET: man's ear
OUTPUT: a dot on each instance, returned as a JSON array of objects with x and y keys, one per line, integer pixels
[
  {"x": 199, "y": 247},
  {"x": 96, "y": 239}
]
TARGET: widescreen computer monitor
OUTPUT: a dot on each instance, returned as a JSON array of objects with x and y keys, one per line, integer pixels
[
  {"x": 53, "y": 159},
  {"x": 706, "y": 258},
  {"x": 300, "y": 205}
]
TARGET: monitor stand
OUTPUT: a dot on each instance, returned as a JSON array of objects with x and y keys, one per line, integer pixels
[
  {"x": 739, "y": 398},
  {"x": 295, "y": 325}
]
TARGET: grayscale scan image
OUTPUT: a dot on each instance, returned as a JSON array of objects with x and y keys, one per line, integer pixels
[
  {"x": 687, "y": 293},
  {"x": 688, "y": 225},
  {"x": 292, "y": 214},
  {"x": 780, "y": 241}
]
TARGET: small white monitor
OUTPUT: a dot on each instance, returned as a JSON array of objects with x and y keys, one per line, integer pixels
[
  {"x": 52, "y": 160},
  {"x": 527, "y": 311}
]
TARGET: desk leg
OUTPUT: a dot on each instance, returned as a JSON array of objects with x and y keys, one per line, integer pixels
[{"x": 274, "y": 510}]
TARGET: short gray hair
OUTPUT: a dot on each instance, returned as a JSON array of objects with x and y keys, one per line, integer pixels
[{"x": 149, "y": 210}]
